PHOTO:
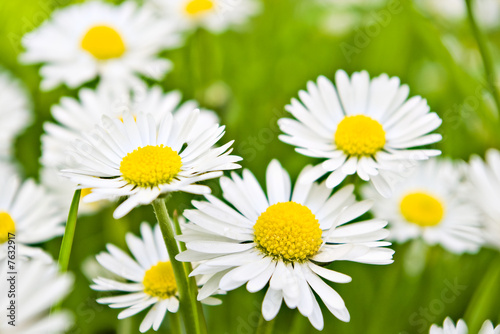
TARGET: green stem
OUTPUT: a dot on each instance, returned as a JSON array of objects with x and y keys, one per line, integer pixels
[
  {"x": 175, "y": 323},
  {"x": 69, "y": 233},
  {"x": 484, "y": 297},
  {"x": 189, "y": 268},
  {"x": 299, "y": 324},
  {"x": 265, "y": 327},
  {"x": 482, "y": 43},
  {"x": 188, "y": 302}
]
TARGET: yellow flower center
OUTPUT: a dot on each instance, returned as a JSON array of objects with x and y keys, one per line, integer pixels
[
  {"x": 7, "y": 226},
  {"x": 150, "y": 166},
  {"x": 103, "y": 42},
  {"x": 422, "y": 209},
  {"x": 288, "y": 231},
  {"x": 85, "y": 192},
  {"x": 159, "y": 281},
  {"x": 196, "y": 7},
  {"x": 359, "y": 136}
]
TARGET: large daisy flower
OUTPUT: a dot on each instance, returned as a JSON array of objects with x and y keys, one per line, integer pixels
[
  {"x": 360, "y": 126},
  {"x": 96, "y": 39},
  {"x": 150, "y": 275},
  {"x": 214, "y": 15},
  {"x": 461, "y": 328},
  {"x": 141, "y": 158},
  {"x": 14, "y": 113},
  {"x": 432, "y": 204},
  {"x": 76, "y": 117},
  {"x": 28, "y": 212},
  {"x": 39, "y": 287},
  {"x": 485, "y": 178},
  {"x": 284, "y": 238}
]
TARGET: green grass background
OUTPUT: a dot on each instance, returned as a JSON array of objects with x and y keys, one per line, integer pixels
[{"x": 262, "y": 68}]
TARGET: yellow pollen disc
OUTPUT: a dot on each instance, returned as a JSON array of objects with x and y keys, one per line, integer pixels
[
  {"x": 422, "y": 209},
  {"x": 103, "y": 42},
  {"x": 196, "y": 7},
  {"x": 7, "y": 226},
  {"x": 359, "y": 136},
  {"x": 159, "y": 281},
  {"x": 85, "y": 192},
  {"x": 288, "y": 231},
  {"x": 150, "y": 166}
]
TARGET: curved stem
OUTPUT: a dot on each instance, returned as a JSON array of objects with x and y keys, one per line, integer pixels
[
  {"x": 482, "y": 43},
  {"x": 69, "y": 233},
  {"x": 188, "y": 302}
]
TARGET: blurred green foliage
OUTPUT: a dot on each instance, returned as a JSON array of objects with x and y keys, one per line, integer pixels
[{"x": 248, "y": 77}]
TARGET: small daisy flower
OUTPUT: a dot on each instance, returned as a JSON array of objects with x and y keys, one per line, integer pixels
[
  {"x": 362, "y": 127},
  {"x": 213, "y": 15},
  {"x": 76, "y": 117},
  {"x": 485, "y": 178},
  {"x": 432, "y": 204},
  {"x": 142, "y": 158},
  {"x": 461, "y": 328},
  {"x": 280, "y": 239},
  {"x": 14, "y": 114},
  {"x": 39, "y": 287},
  {"x": 150, "y": 275},
  {"x": 115, "y": 43},
  {"x": 28, "y": 212}
]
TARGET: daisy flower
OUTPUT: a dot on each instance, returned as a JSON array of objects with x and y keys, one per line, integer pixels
[
  {"x": 14, "y": 114},
  {"x": 213, "y": 15},
  {"x": 461, "y": 328},
  {"x": 150, "y": 275},
  {"x": 362, "y": 127},
  {"x": 141, "y": 158},
  {"x": 76, "y": 117},
  {"x": 485, "y": 178},
  {"x": 284, "y": 238},
  {"x": 114, "y": 43},
  {"x": 432, "y": 204},
  {"x": 39, "y": 287},
  {"x": 28, "y": 212}
]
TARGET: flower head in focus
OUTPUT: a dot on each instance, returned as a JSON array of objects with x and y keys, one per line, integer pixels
[
  {"x": 141, "y": 158},
  {"x": 151, "y": 282},
  {"x": 283, "y": 238},
  {"x": 360, "y": 126}
]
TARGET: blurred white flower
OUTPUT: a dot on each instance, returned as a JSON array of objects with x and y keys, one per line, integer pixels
[
  {"x": 280, "y": 239},
  {"x": 360, "y": 126},
  {"x": 14, "y": 112},
  {"x": 213, "y": 15},
  {"x": 432, "y": 204},
  {"x": 28, "y": 212},
  {"x": 461, "y": 328},
  {"x": 485, "y": 178},
  {"x": 151, "y": 281},
  {"x": 116, "y": 44},
  {"x": 39, "y": 287}
]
